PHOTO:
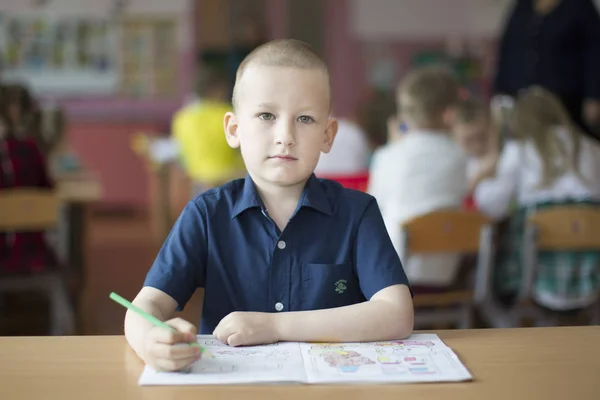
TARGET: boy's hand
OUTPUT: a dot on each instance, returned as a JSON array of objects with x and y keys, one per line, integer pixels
[
  {"x": 247, "y": 328},
  {"x": 166, "y": 350}
]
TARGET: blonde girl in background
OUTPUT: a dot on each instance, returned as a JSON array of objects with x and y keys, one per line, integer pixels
[{"x": 548, "y": 163}]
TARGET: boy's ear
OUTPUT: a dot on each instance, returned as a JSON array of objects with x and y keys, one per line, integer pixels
[
  {"x": 330, "y": 132},
  {"x": 231, "y": 126}
]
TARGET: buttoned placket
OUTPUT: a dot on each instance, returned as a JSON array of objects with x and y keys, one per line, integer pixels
[{"x": 279, "y": 285}]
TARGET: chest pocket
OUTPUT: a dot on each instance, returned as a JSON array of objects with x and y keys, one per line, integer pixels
[{"x": 329, "y": 286}]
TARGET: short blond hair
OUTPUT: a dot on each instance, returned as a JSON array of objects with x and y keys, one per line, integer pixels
[
  {"x": 282, "y": 53},
  {"x": 427, "y": 93}
]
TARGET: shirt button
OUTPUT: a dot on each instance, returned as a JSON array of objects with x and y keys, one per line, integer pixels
[
  {"x": 278, "y": 306},
  {"x": 281, "y": 244}
]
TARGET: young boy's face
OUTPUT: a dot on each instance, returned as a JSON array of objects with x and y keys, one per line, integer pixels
[
  {"x": 473, "y": 137},
  {"x": 281, "y": 123}
]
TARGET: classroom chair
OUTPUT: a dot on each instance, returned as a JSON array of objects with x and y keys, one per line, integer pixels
[
  {"x": 37, "y": 210},
  {"x": 451, "y": 231},
  {"x": 560, "y": 228}
]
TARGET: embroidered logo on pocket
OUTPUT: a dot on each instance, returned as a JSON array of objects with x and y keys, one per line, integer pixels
[{"x": 340, "y": 286}]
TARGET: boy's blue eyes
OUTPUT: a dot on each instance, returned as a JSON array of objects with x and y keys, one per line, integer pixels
[
  {"x": 305, "y": 119},
  {"x": 266, "y": 116}
]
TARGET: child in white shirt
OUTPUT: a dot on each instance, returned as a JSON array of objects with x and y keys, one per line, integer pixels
[
  {"x": 422, "y": 172},
  {"x": 473, "y": 131},
  {"x": 350, "y": 154},
  {"x": 549, "y": 163}
]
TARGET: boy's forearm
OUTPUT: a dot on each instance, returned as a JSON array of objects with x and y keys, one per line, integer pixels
[
  {"x": 369, "y": 321},
  {"x": 137, "y": 327}
]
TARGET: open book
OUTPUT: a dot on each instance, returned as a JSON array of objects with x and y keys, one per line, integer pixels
[{"x": 420, "y": 358}]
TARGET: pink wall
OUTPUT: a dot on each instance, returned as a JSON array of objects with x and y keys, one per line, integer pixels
[
  {"x": 347, "y": 62},
  {"x": 105, "y": 149},
  {"x": 346, "y": 57}
]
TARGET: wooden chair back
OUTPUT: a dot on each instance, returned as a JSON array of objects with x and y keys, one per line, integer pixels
[
  {"x": 567, "y": 228},
  {"x": 452, "y": 231},
  {"x": 559, "y": 228},
  {"x": 446, "y": 231}
]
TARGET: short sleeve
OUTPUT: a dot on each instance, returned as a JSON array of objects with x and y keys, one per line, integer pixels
[
  {"x": 376, "y": 261},
  {"x": 493, "y": 196},
  {"x": 179, "y": 267}
]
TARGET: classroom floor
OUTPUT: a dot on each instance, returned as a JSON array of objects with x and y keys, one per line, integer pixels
[{"x": 121, "y": 251}]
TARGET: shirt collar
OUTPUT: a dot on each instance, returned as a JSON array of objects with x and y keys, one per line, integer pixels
[{"x": 313, "y": 196}]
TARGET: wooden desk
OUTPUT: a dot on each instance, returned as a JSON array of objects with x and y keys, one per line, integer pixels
[
  {"x": 537, "y": 363},
  {"x": 77, "y": 190},
  {"x": 78, "y": 187}
]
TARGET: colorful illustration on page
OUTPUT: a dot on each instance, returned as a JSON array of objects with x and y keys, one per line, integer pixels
[{"x": 336, "y": 356}]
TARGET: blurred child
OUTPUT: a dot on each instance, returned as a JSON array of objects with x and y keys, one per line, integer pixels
[
  {"x": 473, "y": 131},
  {"x": 24, "y": 113},
  {"x": 550, "y": 162},
  {"x": 350, "y": 155},
  {"x": 198, "y": 129},
  {"x": 373, "y": 114},
  {"x": 423, "y": 172},
  {"x": 281, "y": 254},
  {"x": 22, "y": 165}
]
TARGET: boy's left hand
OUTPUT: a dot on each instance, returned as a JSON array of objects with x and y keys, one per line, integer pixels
[{"x": 247, "y": 328}]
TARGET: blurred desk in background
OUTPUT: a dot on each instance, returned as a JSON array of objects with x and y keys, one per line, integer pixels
[
  {"x": 78, "y": 190},
  {"x": 78, "y": 187}
]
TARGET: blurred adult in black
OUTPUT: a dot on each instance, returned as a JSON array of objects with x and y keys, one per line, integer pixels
[{"x": 554, "y": 44}]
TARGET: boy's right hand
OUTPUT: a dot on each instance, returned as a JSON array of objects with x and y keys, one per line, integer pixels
[{"x": 166, "y": 350}]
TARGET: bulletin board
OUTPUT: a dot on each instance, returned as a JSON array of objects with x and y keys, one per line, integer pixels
[
  {"x": 55, "y": 54},
  {"x": 148, "y": 57},
  {"x": 68, "y": 48}
]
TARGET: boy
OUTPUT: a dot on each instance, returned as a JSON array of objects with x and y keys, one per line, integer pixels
[
  {"x": 423, "y": 172},
  {"x": 472, "y": 131},
  {"x": 198, "y": 128},
  {"x": 282, "y": 255}
]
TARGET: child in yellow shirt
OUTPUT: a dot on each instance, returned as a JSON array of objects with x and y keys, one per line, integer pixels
[{"x": 198, "y": 128}]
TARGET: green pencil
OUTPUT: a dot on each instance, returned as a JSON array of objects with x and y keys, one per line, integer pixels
[{"x": 147, "y": 316}]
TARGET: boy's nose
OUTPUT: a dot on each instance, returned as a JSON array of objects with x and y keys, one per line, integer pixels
[{"x": 285, "y": 134}]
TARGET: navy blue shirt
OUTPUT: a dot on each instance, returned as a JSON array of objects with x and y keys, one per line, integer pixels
[{"x": 334, "y": 251}]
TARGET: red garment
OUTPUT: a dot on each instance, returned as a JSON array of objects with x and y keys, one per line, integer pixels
[
  {"x": 469, "y": 203},
  {"x": 23, "y": 165},
  {"x": 357, "y": 182}
]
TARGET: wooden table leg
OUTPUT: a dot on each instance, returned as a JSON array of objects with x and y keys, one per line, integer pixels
[{"x": 78, "y": 215}]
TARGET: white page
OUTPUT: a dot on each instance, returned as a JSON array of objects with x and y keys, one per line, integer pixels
[
  {"x": 222, "y": 364},
  {"x": 420, "y": 358}
]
